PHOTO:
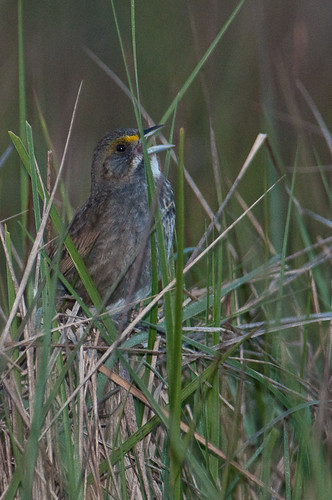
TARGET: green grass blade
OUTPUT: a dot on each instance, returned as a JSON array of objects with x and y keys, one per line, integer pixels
[
  {"x": 34, "y": 176},
  {"x": 24, "y": 184},
  {"x": 174, "y": 338},
  {"x": 288, "y": 494},
  {"x": 201, "y": 63}
]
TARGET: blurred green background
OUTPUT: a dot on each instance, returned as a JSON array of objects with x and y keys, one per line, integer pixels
[{"x": 247, "y": 86}]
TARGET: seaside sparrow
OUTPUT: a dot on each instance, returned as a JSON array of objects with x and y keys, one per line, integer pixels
[{"x": 111, "y": 230}]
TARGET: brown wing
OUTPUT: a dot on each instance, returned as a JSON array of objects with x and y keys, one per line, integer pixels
[
  {"x": 84, "y": 241},
  {"x": 84, "y": 231}
]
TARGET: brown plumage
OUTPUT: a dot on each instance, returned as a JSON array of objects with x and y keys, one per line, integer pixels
[{"x": 111, "y": 230}]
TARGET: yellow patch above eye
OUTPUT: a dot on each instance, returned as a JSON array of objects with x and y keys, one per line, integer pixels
[
  {"x": 124, "y": 139},
  {"x": 129, "y": 138}
]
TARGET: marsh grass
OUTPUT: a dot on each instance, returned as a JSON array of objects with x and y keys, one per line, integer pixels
[{"x": 217, "y": 390}]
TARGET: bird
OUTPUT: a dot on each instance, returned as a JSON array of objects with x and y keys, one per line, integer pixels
[{"x": 111, "y": 230}]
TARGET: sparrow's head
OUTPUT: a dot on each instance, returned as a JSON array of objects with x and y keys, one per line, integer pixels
[{"x": 119, "y": 154}]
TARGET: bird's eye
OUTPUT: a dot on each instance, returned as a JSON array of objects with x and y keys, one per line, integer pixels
[{"x": 120, "y": 148}]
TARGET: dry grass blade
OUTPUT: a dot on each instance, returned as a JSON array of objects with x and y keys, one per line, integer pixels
[
  {"x": 317, "y": 115},
  {"x": 21, "y": 304},
  {"x": 259, "y": 229},
  {"x": 186, "y": 429},
  {"x": 39, "y": 236},
  {"x": 261, "y": 138},
  {"x": 16, "y": 256}
]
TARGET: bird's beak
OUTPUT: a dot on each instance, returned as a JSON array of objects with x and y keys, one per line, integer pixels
[
  {"x": 152, "y": 130},
  {"x": 161, "y": 147}
]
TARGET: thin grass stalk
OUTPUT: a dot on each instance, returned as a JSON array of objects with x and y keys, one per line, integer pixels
[
  {"x": 11, "y": 289},
  {"x": 133, "y": 40},
  {"x": 276, "y": 217},
  {"x": 233, "y": 434},
  {"x": 124, "y": 59},
  {"x": 213, "y": 399},
  {"x": 321, "y": 283},
  {"x": 287, "y": 465},
  {"x": 305, "y": 235},
  {"x": 298, "y": 477},
  {"x": 164, "y": 267},
  {"x": 257, "y": 453},
  {"x": 201, "y": 63},
  {"x": 151, "y": 189},
  {"x": 11, "y": 491},
  {"x": 69, "y": 464},
  {"x": 284, "y": 247},
  {"x": 54, "y": 163},
  {"x": 325, "y": 180},
  {"x": 32, "y": 444},
  {"x": 322, "y": 125},
  {"x": 24, "y": 182},
  {"x": 260, "y": 140},
  {"x": 269, "y": 443},
  {"x": 34, "y": 176},
  {"x": 31, "y": 448},
  {"x": 174, "y": 341}
]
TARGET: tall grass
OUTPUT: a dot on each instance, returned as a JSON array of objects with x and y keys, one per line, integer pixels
[{"x": 219, "y": 389}]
